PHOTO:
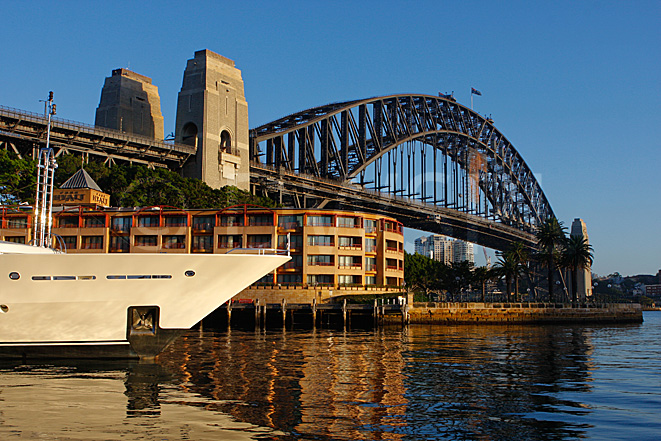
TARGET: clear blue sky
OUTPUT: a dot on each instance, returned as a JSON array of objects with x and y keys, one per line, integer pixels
[{"x": 575, "y": 86}]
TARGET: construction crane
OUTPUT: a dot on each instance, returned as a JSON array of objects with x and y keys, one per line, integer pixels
[{"x": 487, "y": 258}]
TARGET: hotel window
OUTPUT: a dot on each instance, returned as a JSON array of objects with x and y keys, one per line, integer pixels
[
  {"x": 121, "y": 223},
  {"x": 202, "y": 244},
  {"x": 349, "y": 261},
  {"x": 70, "y": 242},
  {"x": 174, "y": 242},
  {"x": 370, "y": 225},
  {"x": 320, "y": 260},
  {"x": 145, "y": 241},
  {"x": 120, "y": 244},
  {"x": 321, "y": 240},
  {"x": 259, "y": 241},
  {"x": 176, "y": 221},
  {"x": 204, "y": 223},
  {"x": 370, "y": 245},
  {"x": 260, "y": 220},
  {"x": 230, "y": 241},
  {"x": 67, "y": 222},
  {"x": 295, "y": 262},
  {"x": 91, "y": 242},
  {"x": 320, "y": 279},
  {"x": 370, "y": 280},
  {"x": 348, "y": 222},
  {"x": 370, "y": 263},
  {"x": 290, "y": 221},
  {"x": 15, "y": 239},
  {"x": 391, "y": 264},
  {"x": 392, "y": 281},
  {"x": 94, "y": 222},
  {"x": 148, "y": 221},
  {"x": 348, "y": 280},
  {"x": 296, "y": 241},
  {"x": 320, "y": 221},
  {"x": 391, "y": 245},
  {"x": 231, "y": 220},
  {"x": 350, "y": 242},
  {"x": 290, "y": 278},
  {"x": 265, "y": 280},
  {"x": 17, "y": 222}
]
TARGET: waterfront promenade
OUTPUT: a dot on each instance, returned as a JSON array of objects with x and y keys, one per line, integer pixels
[{"x": 376, "y": 314}]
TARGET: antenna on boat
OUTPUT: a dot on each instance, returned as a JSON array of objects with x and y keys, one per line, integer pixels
[{"x": 43, "y": 203}]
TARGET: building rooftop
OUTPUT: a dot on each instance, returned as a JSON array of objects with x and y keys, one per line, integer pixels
[{"x": 81, "y": 179}]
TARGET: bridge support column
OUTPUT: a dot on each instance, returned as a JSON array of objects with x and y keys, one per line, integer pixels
[{"x": 212, "y": 114}]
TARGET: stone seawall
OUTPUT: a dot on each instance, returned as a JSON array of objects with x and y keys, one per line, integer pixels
[{"x": 519, "y": 313}]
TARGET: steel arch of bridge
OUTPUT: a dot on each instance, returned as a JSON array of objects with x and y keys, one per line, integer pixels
[{"x": 463, "y": 162}]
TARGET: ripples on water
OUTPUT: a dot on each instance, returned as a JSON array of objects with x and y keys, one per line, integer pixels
[{"x": 420, "y": 383}]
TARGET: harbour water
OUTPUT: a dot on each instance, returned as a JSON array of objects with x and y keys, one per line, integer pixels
[{"x": 417, "y": 383}]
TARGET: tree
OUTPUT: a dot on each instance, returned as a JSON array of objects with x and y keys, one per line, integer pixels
[
  {"x": 550, "y": 238},
  {"x": 511, "y": 264},
  {"x": 423, "y": 274},
  {"x": 134, "y": 185},
  {"x": 483, "y": 275},
  {"x": 576, "y": 255},
  {"x": 519, "y": 254},
  {"x": 18, "y": 178},
  {"x": 458, "y": 275}
]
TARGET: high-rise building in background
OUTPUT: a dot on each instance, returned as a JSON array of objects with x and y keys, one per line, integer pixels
[{"x": 445, "y": 249}]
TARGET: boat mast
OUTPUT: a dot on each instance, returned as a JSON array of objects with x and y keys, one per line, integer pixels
[{"x": 43, "y": 203}]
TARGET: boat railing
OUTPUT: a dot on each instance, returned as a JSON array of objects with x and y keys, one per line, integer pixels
[
  {"x": 260, "y": 251},
  {"x": 266, "y": 251}
]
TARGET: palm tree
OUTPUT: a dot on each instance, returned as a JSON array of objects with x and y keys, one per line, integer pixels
[
  {"x": 483, "y": 275},
  {"x": 520, "y": 256},
  {"x": 507, "y": 266},
  {"x": 577, "y": 254},
  {"x": 550, "y": 238}
]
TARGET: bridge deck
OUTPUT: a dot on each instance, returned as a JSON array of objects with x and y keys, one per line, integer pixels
[{"x": 24, "y": 130}]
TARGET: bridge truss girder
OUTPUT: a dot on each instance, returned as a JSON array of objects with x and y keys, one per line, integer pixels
[
  {"x": 25, "y": 132},
  {"x": 463, "y": 162}
]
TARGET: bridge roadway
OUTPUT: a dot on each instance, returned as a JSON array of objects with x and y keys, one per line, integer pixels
[
  {"x": 23, "y": 132},
  {"x": 412, "y": 214}
]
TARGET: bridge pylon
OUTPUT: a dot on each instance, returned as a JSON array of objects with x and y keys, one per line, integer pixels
[{"x": 212, "y": 115}]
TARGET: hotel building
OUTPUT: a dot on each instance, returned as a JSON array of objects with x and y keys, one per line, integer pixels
[{"x": 334, "y": 253}]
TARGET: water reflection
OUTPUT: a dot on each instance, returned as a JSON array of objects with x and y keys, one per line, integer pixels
[
  {"x": 455, "y": 382},
  {"x": 108, "y": 400},
  {"x": 420, "y": 383}
]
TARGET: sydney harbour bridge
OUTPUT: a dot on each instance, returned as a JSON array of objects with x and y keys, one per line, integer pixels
[{"x": 432, "y": 163}]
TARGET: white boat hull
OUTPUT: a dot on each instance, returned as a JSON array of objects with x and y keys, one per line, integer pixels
[{"x": 117, "y": 304}]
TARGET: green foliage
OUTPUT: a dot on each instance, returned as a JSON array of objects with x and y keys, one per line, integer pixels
[
  {"x": 18, "y": 178},
  {"x": 426, "y": 276},
  {"x": 576, "y": 255},
  {"x": 129, "y": 185},
  {"x": 550, "y": 238}
]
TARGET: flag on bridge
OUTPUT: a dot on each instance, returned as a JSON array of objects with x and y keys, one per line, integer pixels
[{"x": 474, "y": 91}]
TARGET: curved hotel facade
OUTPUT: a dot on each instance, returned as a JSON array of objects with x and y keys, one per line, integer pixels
[{"x": 334, "y": 253}]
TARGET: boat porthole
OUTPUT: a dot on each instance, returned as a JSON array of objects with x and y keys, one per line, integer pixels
[
  {"x": 14, "y": 275},
  {"x": 4, "y": 308},
  {"x": 189, "y": 273}
]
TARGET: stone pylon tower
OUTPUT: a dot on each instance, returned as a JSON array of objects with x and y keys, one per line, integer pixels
[
  {"x": 584, "y": 277},
  {"x": 212, "y": 114},
  {"x": 130, "y": 103}
]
